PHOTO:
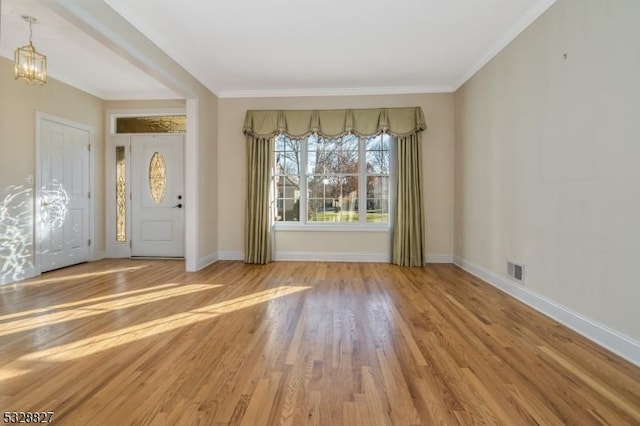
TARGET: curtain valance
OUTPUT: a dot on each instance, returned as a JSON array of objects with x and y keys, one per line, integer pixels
[{"x": 362, "y": 122}]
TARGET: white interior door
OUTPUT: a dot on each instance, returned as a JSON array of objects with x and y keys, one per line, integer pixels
[
  {"x": 64, "y": 194},
  {"x": 157, "y": 204}
]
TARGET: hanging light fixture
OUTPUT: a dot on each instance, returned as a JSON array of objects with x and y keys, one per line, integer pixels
[{"x": 30, "y": 66}]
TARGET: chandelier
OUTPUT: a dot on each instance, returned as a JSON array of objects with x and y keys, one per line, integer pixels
[{"x": 30, "y": 66}]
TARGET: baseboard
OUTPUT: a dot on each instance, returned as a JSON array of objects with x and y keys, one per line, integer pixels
[
  {"x": 333, "y": 256},
  {"x": 230, "y": 255},
  {"x": 609, "y": 338},
  {"x": 205, "y": 261},
  {"x": 439, "y": 258}
]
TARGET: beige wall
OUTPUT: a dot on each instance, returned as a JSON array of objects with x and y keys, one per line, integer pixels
[
  {"x": 546, "y": 160},
  {"x": 208, "y": 178},
  {"x": 145, "y": 104},
  {"x": 438, "y": 176},
  {"x": 18, "y": 103}
]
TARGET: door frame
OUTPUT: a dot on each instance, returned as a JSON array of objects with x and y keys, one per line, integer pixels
[
  {"x": 116, "y": 249},
  {"x": 39, "y": 117}
]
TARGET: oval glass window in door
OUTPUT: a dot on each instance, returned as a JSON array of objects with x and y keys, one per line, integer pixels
[{"x": 157, "y": 177}]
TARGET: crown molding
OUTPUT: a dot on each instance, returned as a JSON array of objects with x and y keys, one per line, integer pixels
[{"x": 507, "y": 37}]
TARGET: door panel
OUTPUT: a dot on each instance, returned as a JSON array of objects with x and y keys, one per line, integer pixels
[{"x": 157, "y": 195}]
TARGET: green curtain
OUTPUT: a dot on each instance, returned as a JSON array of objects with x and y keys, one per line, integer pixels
[
  {"x": 406, "y": 124},
  {"x": 408, "y": 224},
  {"x": 257, "y": 229},
  {"x": 362, "y": 122}
]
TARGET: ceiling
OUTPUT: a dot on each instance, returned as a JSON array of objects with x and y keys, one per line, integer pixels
[{"x": 281, "y": 47}]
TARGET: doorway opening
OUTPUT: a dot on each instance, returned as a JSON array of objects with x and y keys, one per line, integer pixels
[{"x": 145, "y": 185}]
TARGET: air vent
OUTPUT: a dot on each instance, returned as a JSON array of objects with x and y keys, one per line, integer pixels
[{"x": 515, "y": 271}]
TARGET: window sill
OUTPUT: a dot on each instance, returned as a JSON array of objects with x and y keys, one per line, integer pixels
[{"x": 277, "y": 227}]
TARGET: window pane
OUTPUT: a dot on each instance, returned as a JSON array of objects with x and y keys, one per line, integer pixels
[
  {"x": 377, "y": 186},
  {"x": 287, "y": 155},
  {"x": 287, "y": 198},
  {"x": 377, "y": 210},
  {"x": 153, "y": 124},
  {"x": 377, "y": 154},
  {"x": 121, "y": 195},
  {"x": 333, "y": 155},
  {"x": 286, "y": 164},
  {"x": 379, "y": 142},
  {"x": 333, "y": 198},
  {"x": 349, "y": 142},
  {"x": 157, "y": 177},
  {"x": 377, "y": 162},
  {"x": 347, "y": 162},
  {"x": 377, "y": 199},
  {"x": 288, "y": 210}
]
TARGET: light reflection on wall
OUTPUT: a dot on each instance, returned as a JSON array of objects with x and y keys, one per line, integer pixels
[
  {"x": 16, "y": 226},
  {"x": 16, "y": 233},
  {"x": 54, "y": 205}
]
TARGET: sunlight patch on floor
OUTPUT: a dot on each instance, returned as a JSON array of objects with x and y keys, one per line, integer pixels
[
  {"x": 85, "y": 301},
  {"x": 65, "y": 278},
  {"x": 57, "y": 317},
  {"x": 10, "y": 373},
  {"x": 110, "y": 340}
]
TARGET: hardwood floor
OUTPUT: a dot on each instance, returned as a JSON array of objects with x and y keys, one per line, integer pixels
[{"x": 120, "y": 342}]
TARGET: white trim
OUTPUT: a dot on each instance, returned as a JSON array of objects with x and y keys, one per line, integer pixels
[
  {"x": 439, "y": 258},
  {"x": 192, "y": 186},
  {"x": 230, "y": 255},
  {"x": 333, "y": 256},
  {"x": 205, "y": 261},
  {"x": 295, "y": 227},
  {"x": 346, "y": 91},
  {"x": 613, "y": 340},
  {"x": 537, "y": 9}
]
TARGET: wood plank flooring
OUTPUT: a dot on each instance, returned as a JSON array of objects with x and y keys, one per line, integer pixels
[{"x": 120, "y": 342}]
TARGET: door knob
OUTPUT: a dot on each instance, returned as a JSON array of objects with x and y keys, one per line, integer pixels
[{"x": 178, "y": 206}]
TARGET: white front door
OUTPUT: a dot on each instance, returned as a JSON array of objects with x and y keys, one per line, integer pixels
[
  {"x": 157, "y": 191},
  {"x": 64, "y": 194}
]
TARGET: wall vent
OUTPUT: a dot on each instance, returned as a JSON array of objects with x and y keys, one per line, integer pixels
[{"x": 515, "y": 271}]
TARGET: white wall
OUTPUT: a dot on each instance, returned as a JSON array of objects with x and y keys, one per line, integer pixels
[
  {"x": 438, "y": 180},
  {"x": 547, "y": 161}
]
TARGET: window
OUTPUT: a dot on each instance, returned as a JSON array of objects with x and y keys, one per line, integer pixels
[
  {"x": 332, "y": 180},
  {"x": 151, "y": 124},
  {"x": 121, "y": 195}
]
